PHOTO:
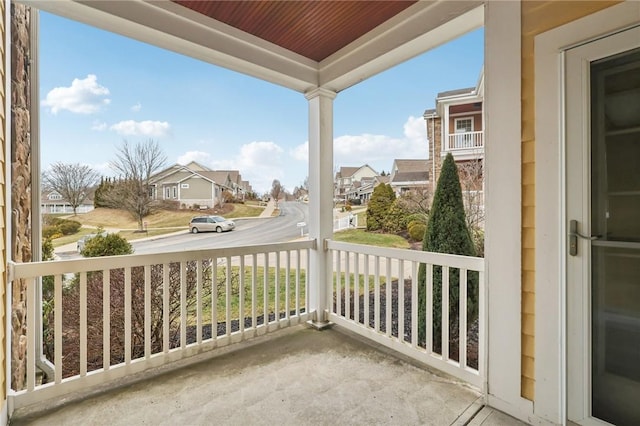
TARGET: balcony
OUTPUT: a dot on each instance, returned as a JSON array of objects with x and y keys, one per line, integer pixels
[
  {"x": 259, "y": 361},
  {"x": 465, "y": 146}
]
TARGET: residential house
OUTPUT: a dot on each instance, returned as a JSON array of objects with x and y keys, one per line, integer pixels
[
  {"x": 364, "y": 188},
  {"x": 194, "y": 184},
  {"x": 347, "y": 179},
  {"x": 559, "y": 311},
  {"x": 456, "y": 126},
  {"x": 53, "y": 202},
  {"x": 410, "y": 176}
]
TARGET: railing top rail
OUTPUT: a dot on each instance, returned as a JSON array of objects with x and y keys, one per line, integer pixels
[
  {"x": 451, "y": 260},
  {"x": 475, "y": 132},
  {"x": 37, "y": 269}
]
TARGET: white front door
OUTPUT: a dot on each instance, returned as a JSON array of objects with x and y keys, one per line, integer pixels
[{"x": 603, "y": 218}]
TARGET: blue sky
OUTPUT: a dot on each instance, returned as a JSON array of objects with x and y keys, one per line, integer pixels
[{"x": 98, "y": 89}]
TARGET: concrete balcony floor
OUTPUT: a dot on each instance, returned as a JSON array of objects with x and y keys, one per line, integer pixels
[{"x": 299, "y": 376}]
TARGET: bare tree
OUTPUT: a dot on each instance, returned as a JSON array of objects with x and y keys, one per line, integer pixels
[
  {"x": 471, "y": 183},
  {"x": 72, "y": 181},
  {"x": 276, "y": 190},
  {"x": 135, "y": 165}
]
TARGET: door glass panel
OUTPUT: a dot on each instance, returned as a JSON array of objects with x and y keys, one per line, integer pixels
[{"x": 615, "y": 256}]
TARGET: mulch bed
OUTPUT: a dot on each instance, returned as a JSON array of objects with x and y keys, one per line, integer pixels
[{"x": 472, "y": 330}]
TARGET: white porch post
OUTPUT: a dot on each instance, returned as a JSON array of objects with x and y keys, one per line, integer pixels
[
  {"x": 503, "y": 226},
  {"x": 320, "y": 199}
]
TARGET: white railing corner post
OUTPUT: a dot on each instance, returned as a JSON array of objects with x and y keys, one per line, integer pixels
[{"x": 320, "y": 201}]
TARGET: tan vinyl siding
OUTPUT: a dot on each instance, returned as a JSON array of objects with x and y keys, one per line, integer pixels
[
  {"x": 537, "y": 17},
  {"x": 199, "y": 189},
  {"x": 3, "y": 208}
]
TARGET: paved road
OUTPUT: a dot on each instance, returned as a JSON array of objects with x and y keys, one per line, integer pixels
[{"x": 248, "y": 231}]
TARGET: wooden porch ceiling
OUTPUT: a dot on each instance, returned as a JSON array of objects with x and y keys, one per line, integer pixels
[{"x": 313, "y": 29}]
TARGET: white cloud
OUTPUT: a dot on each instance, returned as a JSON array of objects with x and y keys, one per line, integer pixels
[
  {"x": 300, "y": 152},
  {"x": 415, "y": 129},
  {"x": 99, "y": 126},
  {"x": 376, "y": 150},
  {"x": 137, "y": 107},
  {"x": 197, "y": 156},
  {"x": 104, "y": 169},
  {"x": 142, "y": 128},
  {"x": 259, "y": 163},
  {"x": 82, "y": 97}
]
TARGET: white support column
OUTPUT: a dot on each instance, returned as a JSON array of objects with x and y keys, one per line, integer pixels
[
  {"x": 503, "y": 206},
  {"x": 320, "y": 199}
]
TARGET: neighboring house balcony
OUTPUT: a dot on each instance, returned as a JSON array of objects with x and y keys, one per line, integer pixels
[
  {"x": 159, "y": 321},
  {"x": 465, "y": 145}
]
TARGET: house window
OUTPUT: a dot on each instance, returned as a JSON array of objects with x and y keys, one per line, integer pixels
[
  {"x": 175, "y": 192},
  {"x": 464, "y": 125},
  {"x": 184, "y": 186},
  {"x": 167, "y": 192},
  {"x": 55, "y": 197}
]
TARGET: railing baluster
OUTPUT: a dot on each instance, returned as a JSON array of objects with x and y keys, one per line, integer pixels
[
  {"x": 376, "y": 295},
  {"x": 265, "y": 290},
  {"x": 183, "y": 305},
  {"x": 241, "y": 297},
  {"x": 31, "y": 333},
  {"x": 366, "y": 291},
  {"x": 401, "y": 300},
  {"x": 147, "y": 311},
  {"x": 482, "y": 326},
  {"x": 214, "y": 298},
  {"x": 347, "y": 284},
  {"x": 339, "y": 283},
  {"x": 127, "y": 315},
  {"x": 462, "y": 324},
  {"x": 389, "y": 302},
  {"x": 166, "y": 344},
  {"x": 106, "y": 319},
  {"x": 254, "y": 289},
  {"x": 199, "y": 266},
  {"x": 444, "y": 324},
  {"x": 298, "y": 283},
  {"x": 356, "y": 288},
  {"x": 307, "y": 296},
  {"x": 83, "y": 324},
  {"x": 414, "y": 304},
  {"x": 287, "y": 283},
  {"x": 429, "y": 309},
  {"x": 57, "y": 319},
  {"x": 228, "y": 291},
  {"x": 276, "y": 298}
]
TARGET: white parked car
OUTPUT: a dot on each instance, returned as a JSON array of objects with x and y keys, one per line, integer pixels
[{"x": 210, "y": 223}]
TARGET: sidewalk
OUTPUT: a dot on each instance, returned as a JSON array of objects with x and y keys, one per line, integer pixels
[{"x": 268, "y": 211}]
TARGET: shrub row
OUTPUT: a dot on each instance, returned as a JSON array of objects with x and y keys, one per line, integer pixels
[{"x": 58, "y": 227}]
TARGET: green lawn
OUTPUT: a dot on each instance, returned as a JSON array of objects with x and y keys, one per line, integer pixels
[
  {"x": 234, "y": 294},
  {"x": 360, "y": 236}
]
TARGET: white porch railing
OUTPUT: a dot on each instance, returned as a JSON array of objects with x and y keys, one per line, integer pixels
[
  {"x": 162, "y": 308},
  {"x": 375, "y": 293},
  {"x": 466, "y": 140}
]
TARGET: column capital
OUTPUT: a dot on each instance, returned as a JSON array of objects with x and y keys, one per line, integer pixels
[{"x": 320, "y": 91}]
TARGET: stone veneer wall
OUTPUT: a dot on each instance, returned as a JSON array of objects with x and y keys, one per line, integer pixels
[
  {"x": 3, "y": 204},
  {"x": 434, "y": 125},
  {"x": 20, "y": 182}
]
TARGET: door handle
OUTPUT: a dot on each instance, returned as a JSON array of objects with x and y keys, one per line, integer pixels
[{"x": 574, "y": 234}]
